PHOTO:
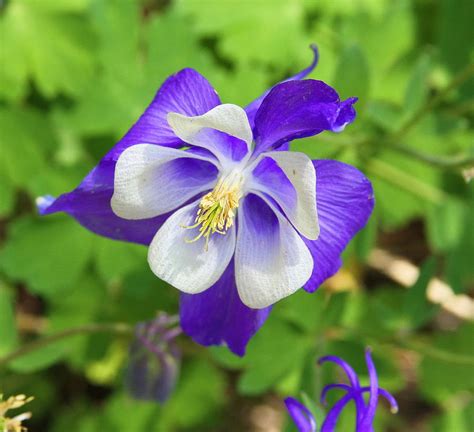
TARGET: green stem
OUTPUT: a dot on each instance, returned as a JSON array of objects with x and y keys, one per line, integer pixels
[
  {"x": 405, "y": 181},
  {"x": 391, "y": 141},
  {"x": 457, "y": 161},
  {"x": 459, "y": 79},
  {"x": 404, "y": 342},
  {"x": 117, "y": 328},
  {"x": 436, "y": 353}
]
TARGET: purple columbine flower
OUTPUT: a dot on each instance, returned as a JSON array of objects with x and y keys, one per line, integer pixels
[
  {"x": 154, "y": 359},
  {"x": 301, "y": 415},
  {"x": 232, "y": 219},
  {"x": 365, "y": 411}
]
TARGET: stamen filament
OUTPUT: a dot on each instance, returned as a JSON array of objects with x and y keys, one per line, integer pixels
[{"x": 216, "y": 209}]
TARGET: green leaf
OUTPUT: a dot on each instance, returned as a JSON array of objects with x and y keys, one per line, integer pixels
[
  {"x": 117, "y": 49},
  {"x": 114, "y": 259},
  {"x": 417, "y": 308},
  {"x": 7, "y": 195},
  {"x": 459, "y": 260},
  {"x": 184, "y": 51},
  {"x": 384, "y": 114},
  {"x": 384, "y": 38},
  {"x": 49, "y": 254},
  {"x": 352, "y": 76},
  {"x": 455, "y": 51},
  {"x": 445, "y": 224},
  {"x": 51, "y": 47},
  {"x": 8, "y": 331},
  {"x": 244, "y": 31},
  {"x": 201, "y": 390},
  {"x": 269, "y": 357},
  {"x": 456, "y": 417},
  {"x": 305, "y": 310},
  {"x": 366, "y": 239},
  {"x": 442, "y": 376},
  {"x": 226, "y": 358},
  {"x": 242, "y": 85},
  {"x": 21, "y": 145},
  {"x": 41, "y": 358},
  {"x": 417, "y": 88}
]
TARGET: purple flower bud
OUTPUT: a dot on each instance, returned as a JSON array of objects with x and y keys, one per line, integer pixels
[{"x": 154, "y": 359}]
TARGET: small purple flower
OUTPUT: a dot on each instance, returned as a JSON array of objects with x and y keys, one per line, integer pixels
[
  {"x": 302, "y": 416},
  {"x": 365, "y": 412},
  {"x": 154, "y": 359},
  {"x": 232, "y": 219}
]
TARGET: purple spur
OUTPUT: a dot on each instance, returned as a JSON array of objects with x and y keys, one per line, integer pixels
[{"x": 365, "y": 411}]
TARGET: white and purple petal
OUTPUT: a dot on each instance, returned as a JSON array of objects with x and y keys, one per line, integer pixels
[
  {"x": 217, "y": 315},
  {"x": 188, "y": 93},
  {"x": 271, "y": 259},
  {"x": 298, "y": 109},
  {"x": 201, "y": 130},
  {"x": 290, "y": 180},
  {"x": 190, "y": 266},
  {"x": 345, "y": 201},
  {"x": 152, "y": 180}
]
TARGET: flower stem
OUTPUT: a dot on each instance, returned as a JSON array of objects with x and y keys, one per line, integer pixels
[
  {"x": 457, "y": 161},
  {"x": 405, "y": 181},
  {"x": 117, "y": 328},
  {"x": 459, "y": 79}
]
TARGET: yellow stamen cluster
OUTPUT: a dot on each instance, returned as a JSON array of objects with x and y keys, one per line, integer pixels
[
  {"x": 13, "y": 424},
  {"x": 217, "y": 209}
]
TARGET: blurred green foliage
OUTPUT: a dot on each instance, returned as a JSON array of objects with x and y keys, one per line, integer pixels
[{"x": 75, "y": 74}]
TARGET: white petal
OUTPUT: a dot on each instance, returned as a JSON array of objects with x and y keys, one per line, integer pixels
[
  {"x": 299, "y": 207},
  {"x": 271, "y": 259},
  {"x": 227, "y": 118},
  {"x": 150, "y": 180},
  {"x": 189, "y": 267}
]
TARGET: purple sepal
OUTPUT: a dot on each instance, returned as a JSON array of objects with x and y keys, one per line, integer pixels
[
  {"x": 298, "y": 109},
  {"x": 301, "y": 415},
  {"x": 186, "y": 92},
  {"x": 217, "y": 316},
  {"x": 253, "y": 107},
  {"x": 345, "y": 200},
  {"x": 365, "y": 412},
  {"x": 155, "y": 359},
  {"x": 368, "y": 418}
]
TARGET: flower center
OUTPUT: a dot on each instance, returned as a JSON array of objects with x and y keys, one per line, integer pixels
[{"x": 217, "y": 208}]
